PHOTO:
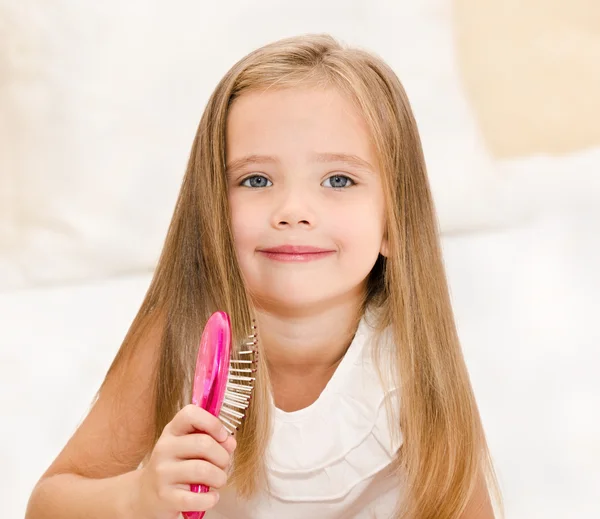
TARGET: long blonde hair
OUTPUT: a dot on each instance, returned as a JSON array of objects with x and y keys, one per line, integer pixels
[{"x": 444, "y": 450}]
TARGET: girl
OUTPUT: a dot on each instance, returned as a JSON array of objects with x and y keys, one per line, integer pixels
[{"x": 306, "y": 206}]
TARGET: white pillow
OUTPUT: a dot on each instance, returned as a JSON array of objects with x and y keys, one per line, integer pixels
[{"x": 105, "y": 98}]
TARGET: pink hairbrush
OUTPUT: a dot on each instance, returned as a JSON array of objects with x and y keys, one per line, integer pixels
[{"x": 222, "y": 385}]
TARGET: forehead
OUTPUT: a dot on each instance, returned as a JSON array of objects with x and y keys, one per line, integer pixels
[{"x": 297, "y": 120}]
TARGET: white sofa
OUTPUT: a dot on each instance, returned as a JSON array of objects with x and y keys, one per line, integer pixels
[{"x": 101, "y": 113}]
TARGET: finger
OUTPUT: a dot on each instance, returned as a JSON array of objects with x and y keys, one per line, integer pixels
[
  {"x": 199, "y": 472},
  {"x": 188, "y": 501},
  {"x": 201, "y": 446},
  {"x": 193, "y": 419},
  {"x": 229, "y": 444}
]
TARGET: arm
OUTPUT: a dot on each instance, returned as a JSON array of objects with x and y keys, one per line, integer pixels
[
  {"x": 94, "y": 475},
  {"x": 72, "y": 496}
]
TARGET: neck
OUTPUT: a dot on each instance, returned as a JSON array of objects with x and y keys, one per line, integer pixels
[
  {"x": 309, "y": 341},
  {"x": 303, "y": 349}
]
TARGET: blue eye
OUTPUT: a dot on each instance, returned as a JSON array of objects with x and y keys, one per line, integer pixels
[
  {"x": 338, "y": 182},
  {"x": 256, "y": 181}
]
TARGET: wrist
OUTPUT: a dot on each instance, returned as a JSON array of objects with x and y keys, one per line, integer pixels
[{"x": 128, "y": 501}]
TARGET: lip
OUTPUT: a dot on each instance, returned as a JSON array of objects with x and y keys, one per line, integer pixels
[
  {"x": 296, "y": 253},
  {"x": 295, "y": 249}
]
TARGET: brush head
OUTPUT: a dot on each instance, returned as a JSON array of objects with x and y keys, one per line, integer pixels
[{"x": 240, "y": 382}]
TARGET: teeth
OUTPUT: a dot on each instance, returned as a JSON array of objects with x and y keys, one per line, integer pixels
[
  {"x": 227, "y": 422},
  {"x": 240, "y": 387},
  {"x": 242, "y": 398},
  {"x": 229, "y": 391},
  {"x": 241, "y": 369},
  {"x": 237, "y": 397},
  {"x": 245, "y": 379},
  {"x": 237, "y": 405},
  {"x": 232, "y": 418},
  {"x": 233, "y": 413}
]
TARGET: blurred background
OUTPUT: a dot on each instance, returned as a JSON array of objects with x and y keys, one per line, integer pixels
[{"x": 99, "y": 103}]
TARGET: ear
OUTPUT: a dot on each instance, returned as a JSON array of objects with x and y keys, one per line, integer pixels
[{"x": 384, "y": 247}]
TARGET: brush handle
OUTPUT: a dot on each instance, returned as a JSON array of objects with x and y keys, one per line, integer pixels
[{"x": 210, "y": 378}]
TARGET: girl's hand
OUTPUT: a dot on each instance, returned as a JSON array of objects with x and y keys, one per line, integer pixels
[{"x": 193, "y": 448}]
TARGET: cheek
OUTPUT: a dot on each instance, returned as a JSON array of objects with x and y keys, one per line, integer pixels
[
  {"x": 360, "y": 228},
  {"x": 247, "y": 222},
  {"x": 240, "y": 221}
]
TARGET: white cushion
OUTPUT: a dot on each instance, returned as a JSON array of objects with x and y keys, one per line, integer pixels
[{"x": 104, "y": 100}]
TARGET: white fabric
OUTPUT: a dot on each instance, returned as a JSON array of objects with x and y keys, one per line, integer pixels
[
  {"x": 333, "y": 457},
  {"x": 100, "y": 102}
]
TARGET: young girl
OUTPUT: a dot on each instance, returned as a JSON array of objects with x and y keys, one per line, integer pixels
[{"x": 305, "y": 206}]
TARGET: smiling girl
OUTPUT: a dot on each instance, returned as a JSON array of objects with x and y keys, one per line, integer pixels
[{"x": 305, "y": 206}]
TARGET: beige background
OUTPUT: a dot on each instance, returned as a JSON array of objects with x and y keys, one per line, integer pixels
[{"x": 532, "y": 71}]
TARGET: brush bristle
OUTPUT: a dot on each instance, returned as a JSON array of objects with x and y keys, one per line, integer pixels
[{"x": 240, "y": 384}]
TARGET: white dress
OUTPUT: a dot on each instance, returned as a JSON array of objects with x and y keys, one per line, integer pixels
[{"x": 332, "y": 459}]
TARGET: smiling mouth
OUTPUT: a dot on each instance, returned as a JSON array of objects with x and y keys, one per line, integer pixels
[{"x": 296, "y": 253}]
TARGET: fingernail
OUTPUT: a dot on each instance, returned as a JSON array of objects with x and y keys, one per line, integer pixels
[{"x": 223, "y": 434}]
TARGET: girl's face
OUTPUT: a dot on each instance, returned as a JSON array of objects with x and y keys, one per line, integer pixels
[{"x": 305, "y": 195}]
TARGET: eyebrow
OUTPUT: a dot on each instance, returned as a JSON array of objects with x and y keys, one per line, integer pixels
[{"x": 345, "y": 158}]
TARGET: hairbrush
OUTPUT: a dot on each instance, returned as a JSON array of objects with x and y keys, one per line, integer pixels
[{"x": 222, "y": 385}]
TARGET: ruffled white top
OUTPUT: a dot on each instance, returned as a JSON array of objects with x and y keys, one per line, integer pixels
[{"x": 333, "y": 458}]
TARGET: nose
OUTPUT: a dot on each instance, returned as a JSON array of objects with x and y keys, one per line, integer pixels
[{"x": 293, "y": 211}]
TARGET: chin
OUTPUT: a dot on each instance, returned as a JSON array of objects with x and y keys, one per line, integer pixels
[
  {"x": 288, "y": 302},
  {"x": 306, "y": 299}
]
